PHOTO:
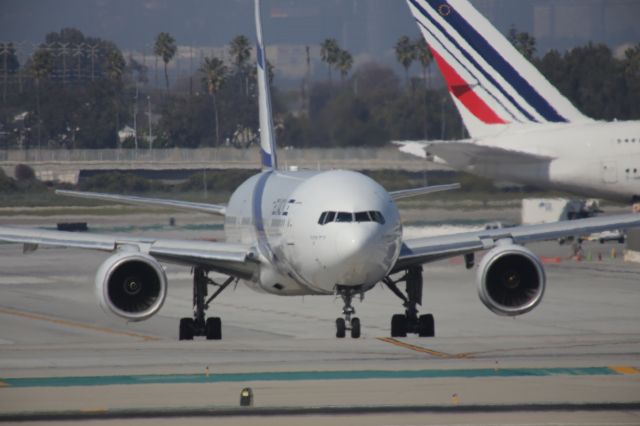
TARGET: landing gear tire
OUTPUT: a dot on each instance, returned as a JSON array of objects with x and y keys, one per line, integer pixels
[
  {"x": 213, "y": 328},
  {"x": 355, "y": 328},
  {"x": 410, "y": 322},
  {"x": 200, "y": 325},
  {"x": 399, "y": 325},
  {"x": 186, "y": 329},
  {"x": 349, "y": 322},
  {"x": 341, "y": 328},
  {"x": 426, "y": 326}
]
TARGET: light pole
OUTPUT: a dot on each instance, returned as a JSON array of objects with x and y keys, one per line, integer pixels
[
  {"x": 149, "y": 117},
  {"x": 135, "y": 121}
]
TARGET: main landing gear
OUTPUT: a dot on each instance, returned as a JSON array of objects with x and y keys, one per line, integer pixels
[
  {"x": 410, "y": 322},
  {"x": 199, "y": 325},
  {"x": 348, "y": 322}
]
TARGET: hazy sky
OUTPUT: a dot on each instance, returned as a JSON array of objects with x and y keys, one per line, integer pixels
[
  {"x": 133, "y": 23},
  {"x": 367, "y": 28}
]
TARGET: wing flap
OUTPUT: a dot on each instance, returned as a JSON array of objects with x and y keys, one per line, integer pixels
[
  {"x": 36, "y": 237},
  {"x": 131, "y": 199}
]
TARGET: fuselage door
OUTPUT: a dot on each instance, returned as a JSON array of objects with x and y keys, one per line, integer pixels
[{"x": 609, "y": 171}]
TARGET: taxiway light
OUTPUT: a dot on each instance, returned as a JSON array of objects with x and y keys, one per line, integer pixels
[{"x": 246, "y": 397}]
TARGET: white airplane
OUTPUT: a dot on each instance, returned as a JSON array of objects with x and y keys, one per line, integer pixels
[
  {"x": 309, "y": 233},
  {"x": 522, "y": 129}
]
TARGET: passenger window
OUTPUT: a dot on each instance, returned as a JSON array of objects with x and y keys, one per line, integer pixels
[
  {"x": 344, "y": 217},
  {"x": 322, "y": 217},
  {"x": 363, "y": 217}
]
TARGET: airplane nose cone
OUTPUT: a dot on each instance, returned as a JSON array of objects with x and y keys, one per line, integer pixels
[
  {"x": 351, "y": 243},
  {"x": 357, "y": 252}
]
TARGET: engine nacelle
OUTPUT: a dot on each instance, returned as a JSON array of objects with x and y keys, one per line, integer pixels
[
  {"x": 511, "y": 280},
  {"x": 131, "y": 285}
]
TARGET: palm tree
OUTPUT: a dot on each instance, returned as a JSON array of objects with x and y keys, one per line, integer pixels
[
  {"x": 425, "y": 57},
  {"x": 329, "y": 51},
  {"x": 523, "y": 42},
  {"x": 240, "y": 51},
  {"x": 165, "y": 47},
  {"x": 214, "y": 71},
  {"x": 115, "y": 69},
  {"x": 271, "y": 72},
  {"x": 345, "y": 62},
  {"x": 41, "y": 66},
  {"x": 10, "y": 65},
  {"x": 405, "y": 54},
  {"x": 115, "y": 65}
]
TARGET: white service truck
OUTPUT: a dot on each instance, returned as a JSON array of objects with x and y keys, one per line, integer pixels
[{"x": 547, "y": 210}]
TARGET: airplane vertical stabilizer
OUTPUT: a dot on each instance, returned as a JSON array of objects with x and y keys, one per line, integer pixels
[
  {"x": 267, "y": 135},
  {"x": 491, "y": 83}
]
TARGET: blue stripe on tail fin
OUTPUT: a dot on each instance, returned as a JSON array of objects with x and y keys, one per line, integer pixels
[
  {"x": 267, "y": 135},
  {"x": 500, "y": 65},
  {"x": 478, "y": 57}
]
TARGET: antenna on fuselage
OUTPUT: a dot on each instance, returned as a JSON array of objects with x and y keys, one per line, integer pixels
[{"x": 267, "y": 135}]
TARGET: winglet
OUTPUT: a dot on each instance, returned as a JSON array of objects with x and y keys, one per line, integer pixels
[{"x": 267, "y": 135}]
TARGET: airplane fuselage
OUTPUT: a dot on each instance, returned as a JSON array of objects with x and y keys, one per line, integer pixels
[
  {"x": 315, "y": 230},
  {"x": 594, "y": 159}
]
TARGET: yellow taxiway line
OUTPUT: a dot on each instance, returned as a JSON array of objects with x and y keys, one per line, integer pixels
[
  {"x": 422, "y": 349},
  {"x": 624, "y": 369},
  {"x": 68, "y": 323}
]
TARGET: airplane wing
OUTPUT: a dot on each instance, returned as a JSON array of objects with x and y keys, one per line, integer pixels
[
  {"x": 232, "y": 259},
  {"x": 130, "y": 199},
  {"x": 406, "y": 193},
  {"x": 423, "y": 250},
  {"x": 469, "y": 153}
]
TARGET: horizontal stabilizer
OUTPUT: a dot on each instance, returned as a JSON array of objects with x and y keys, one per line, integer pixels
[
  {"x": 130, "y": 199},
  {"x": 469, "y": 154},
  {"x": 406, "y": 193}
]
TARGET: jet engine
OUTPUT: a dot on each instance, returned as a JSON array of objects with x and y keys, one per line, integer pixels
[
  {"x": 511, "y": 280},
  {"x": 131, "y": 285}
]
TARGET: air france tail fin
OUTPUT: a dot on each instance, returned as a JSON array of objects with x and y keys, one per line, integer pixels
[
  {"x": 490, "y": 82},
  {"x": 267, "y": 136}
]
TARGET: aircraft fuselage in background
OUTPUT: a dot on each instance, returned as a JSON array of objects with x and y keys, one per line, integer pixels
[
  {"x": 522, "y": 128},
  {"x": 593, "y": 159}
]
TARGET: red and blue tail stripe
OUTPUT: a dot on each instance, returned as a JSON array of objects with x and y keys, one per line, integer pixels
[{"x": 475, "y": 58}]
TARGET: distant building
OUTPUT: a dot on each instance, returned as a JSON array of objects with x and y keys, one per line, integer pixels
[
  {"x": 125, "y": 133},
  {"x": 565, "y": 24}
]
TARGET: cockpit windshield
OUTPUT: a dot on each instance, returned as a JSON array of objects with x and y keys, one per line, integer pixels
[{"x": 364, "y": 216}]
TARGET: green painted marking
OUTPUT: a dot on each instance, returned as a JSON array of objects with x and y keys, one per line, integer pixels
[{"x": 143, "y": 379}]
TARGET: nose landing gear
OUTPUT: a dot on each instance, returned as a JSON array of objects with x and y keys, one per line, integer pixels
[
  {"x": 410, "y": 322},
  {"x": 348, "y": 322}
]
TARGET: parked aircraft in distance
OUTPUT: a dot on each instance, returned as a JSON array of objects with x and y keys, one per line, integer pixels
[
  {"x": 522, "y": 129},
  {"x": 309, "y": 233}
]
